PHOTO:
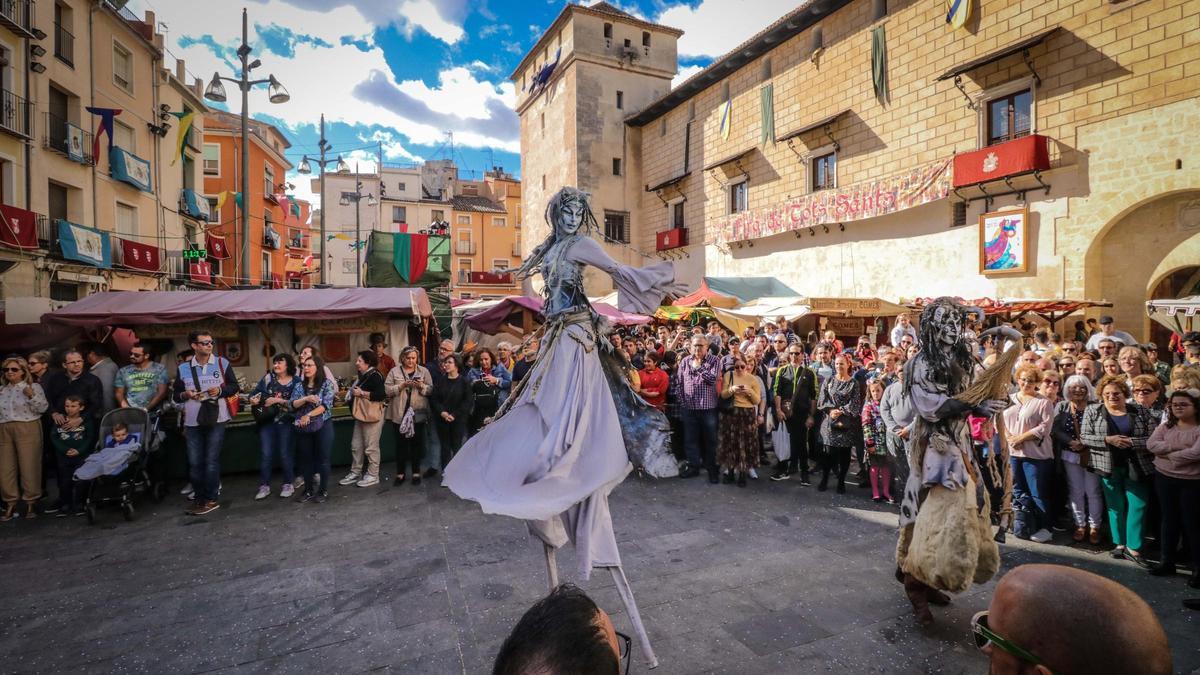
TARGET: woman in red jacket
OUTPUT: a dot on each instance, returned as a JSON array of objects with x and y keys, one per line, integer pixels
[{"x": 654, "y": 381}]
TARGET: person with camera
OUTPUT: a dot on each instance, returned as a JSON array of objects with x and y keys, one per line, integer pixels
[
  {"x": 203, "y": 387},
  {"x": 270, "y": 405}
]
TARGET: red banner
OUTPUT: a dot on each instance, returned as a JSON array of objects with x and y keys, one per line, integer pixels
[
  {"x": 18, "y": 228},
  {"x": 139, "y": 256},
  {"x": 871, "y": 199},
  {"x": 201, "y": 272},
  {"x": 1004, "y": 159},
  {"x": 669, "y": 239},
  {"x": 217, "y": 247}
]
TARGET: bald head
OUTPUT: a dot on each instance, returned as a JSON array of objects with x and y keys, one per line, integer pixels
[{"x": 1076, "y": 622}]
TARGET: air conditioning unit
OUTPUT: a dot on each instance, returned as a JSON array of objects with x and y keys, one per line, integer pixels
[{"x": 628, "y": 52}]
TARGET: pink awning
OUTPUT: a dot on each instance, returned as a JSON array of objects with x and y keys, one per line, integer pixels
[
  {"x": 490, "y": 320},
  {"x": 131, "y": 308}
]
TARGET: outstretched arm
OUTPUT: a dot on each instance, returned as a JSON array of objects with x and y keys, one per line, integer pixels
[{"x": 639, "y": 289}]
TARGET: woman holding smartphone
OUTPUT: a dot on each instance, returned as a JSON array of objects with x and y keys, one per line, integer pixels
[{"x": 737, "y": 441}]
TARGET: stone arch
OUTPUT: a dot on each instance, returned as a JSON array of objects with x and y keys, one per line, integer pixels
[{"x": 1133, "y": 252}]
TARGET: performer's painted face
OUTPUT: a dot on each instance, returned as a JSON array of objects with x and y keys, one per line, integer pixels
[
  {"x": 949, "y": 325},
  {"x": 570, "y": 217}
]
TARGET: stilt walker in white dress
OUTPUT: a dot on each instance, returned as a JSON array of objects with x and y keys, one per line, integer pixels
[{"x": 574, "y": 428}]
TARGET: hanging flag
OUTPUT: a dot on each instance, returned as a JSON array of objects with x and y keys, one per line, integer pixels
[
  {"x": 221, "y": 197},
  {"x": 542, "y": 78},
  {"x": 84, "y": 244},
  {"x": 726, "y": 112},
  {"x": 139, "y": 256},
  {"x": 237, "y": 199},
  {"x": 439, "y": 254},
  {"x": 217, "y": 247},
  {"x": 185, "y": 123},
  {"x": 129, "y": 168},
  {"x": 410, "y": 255},
  {"x": 958, "y": 13},
  {"x": 768, "y": 113},
  {"x": 201, "y": 272},
  {"x": 879, "y": 62},
  {"x": 18, "y": 228},
  {"x": 105, "y": 127}
]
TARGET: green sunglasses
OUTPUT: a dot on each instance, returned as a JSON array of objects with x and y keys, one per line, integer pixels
[{"x": 984, "y": 636}]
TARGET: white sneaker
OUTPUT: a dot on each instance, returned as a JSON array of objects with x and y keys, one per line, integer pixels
[
  {"x": 317, "y": 482},
  {"x": 264, "y": 491},
  {"x": 298, "y": 483},
  {"x": 367, "y": 481},
  {"x": 1041, "y": 536},
  {"x": 350, "y": 479},
  {"x": 187, "y": 491},
  {"x": 753, "y": 474},
  {"x": 285, "y": 491}
]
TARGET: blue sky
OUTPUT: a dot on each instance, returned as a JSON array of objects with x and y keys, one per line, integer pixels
[{"x": 402, "y": 72}]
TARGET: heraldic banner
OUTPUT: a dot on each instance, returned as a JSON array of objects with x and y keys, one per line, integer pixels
[{"x": 871, "y": 199}]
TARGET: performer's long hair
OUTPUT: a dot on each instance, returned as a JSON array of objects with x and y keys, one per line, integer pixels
[
  {"x": 533, "y": 264},
  {"x": 949, "y": 369}
]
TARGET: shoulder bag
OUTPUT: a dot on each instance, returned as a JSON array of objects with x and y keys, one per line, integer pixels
[
  {"x": 263, "y": 413},
  {"x": 367, "y": 411},
  {"x": 314, "y": 423},
  {"x": 725, "y": 405}
]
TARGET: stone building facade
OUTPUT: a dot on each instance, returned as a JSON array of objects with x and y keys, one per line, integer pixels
[{"x": 854, "y": 190}]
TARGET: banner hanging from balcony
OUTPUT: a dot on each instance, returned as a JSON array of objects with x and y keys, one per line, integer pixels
[
  {"x": 130, "y": 169},
  {"x": 871, "y": 199},
  {"x": 19, "y": 227},
  {"x": 410, "y": 255},
  {"x": 200, "y": 272},
  {"x": 217, "y": 247},
  {"x": 74, "y": 142},
  {"x": 84, "y": 244},
  {"x": 195, "y": 205},
  {"x": 139, "y": 256}
]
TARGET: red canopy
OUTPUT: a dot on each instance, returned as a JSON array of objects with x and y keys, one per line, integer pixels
[
  {"x": 707, "y": 296},
  {"x": 132, "y": 308},
  {"x": 489, "y": 321}
]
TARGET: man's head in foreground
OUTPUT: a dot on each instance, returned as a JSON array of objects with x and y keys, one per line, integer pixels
[
  {"x": 564, "y": 633},
  {"x": 1054, "y": 619}
]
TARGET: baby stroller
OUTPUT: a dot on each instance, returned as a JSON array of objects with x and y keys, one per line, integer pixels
[{"x": 116, "y": 482}]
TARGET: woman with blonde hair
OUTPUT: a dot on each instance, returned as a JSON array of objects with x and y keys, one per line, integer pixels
[
  {"x": 1031, "y": 449},
  {"x": 1133, "y": 362},
  {"x": 1115, "y": 433},
  {"x": 22, "y": 403}
]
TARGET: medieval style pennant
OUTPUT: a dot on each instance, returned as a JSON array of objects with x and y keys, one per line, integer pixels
[
  {"x": 958, "y": 13},
  {"x": 139, "y": 256},
  {"x": 217, "y": 247},
  {"x": 18, "y": 227},
  {"x": 185, "y": 123},
  {"x": 726, "y": 114}
]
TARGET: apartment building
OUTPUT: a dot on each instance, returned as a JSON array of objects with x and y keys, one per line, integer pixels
[
  {"x": 485, "y": 237},
  {"x": 107, "y": 215},
  {"x": 864, "y": 148}
]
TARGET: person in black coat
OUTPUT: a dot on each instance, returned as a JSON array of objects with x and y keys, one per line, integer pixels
[
  {"x": 72, "y": 379},
  {"x": 451, "y": 405}
]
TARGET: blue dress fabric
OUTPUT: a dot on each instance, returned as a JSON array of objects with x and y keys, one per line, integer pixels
[{"x": 573, "y": 428}]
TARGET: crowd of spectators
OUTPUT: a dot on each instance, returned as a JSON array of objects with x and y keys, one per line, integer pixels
[{"x": 1101, "y": 433}]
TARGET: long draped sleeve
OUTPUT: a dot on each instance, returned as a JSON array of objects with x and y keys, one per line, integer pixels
[{"x": 639, "y": 289}]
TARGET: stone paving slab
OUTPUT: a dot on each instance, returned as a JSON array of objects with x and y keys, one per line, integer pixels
[{"x": 774, "y": 578}]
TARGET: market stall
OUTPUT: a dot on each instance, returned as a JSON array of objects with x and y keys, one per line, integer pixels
[
  {"x": 1013, "y": 309},
  {"x": 249, "y": 327},
  {"x": 1180, "y": 315},
  {"x": 522, "y": 314}
]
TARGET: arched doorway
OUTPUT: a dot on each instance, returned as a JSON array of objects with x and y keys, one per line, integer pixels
[
  {"x": 1151, "y": 251},
  {"x": 1179, "y": 283}
]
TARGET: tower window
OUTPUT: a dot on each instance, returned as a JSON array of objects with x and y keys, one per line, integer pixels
[
  {"x": 616, "y": 166},
  {"x": 645, "y": 38},
  {"x": 620, "y": 100},
  {"x": 608, "y": 31}
]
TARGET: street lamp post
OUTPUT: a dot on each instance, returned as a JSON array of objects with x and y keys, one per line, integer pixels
[
  {"x": 356, "y": 197},
  {"x": 306, "y": 168},
  {"x": 276, "y": 94}
]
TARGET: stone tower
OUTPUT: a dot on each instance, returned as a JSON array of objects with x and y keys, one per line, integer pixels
[{"x": 591, "y": 69}]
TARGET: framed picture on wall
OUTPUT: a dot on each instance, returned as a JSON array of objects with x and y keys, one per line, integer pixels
[{"x": 1003, "y": 242}]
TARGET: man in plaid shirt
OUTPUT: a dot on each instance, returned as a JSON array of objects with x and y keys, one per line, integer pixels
[{"x": 697, "y": 377}]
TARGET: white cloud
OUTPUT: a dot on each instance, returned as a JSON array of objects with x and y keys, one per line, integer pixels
[
  {"x": 322, "y": 79},
  {"x": 715, "y": 27},
  {"x": 683, "y": 74}
]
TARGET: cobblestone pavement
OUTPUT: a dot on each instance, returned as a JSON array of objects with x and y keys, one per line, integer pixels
[{"x": 771, "y": 578}]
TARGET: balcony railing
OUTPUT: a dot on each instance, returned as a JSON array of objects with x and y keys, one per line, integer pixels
[
  {"x": 15, "y": 15},
  {"x": 193, "y": 138},
  {"x": 67, "y": 139},
  {"x": 64, "y": 45},
  {"x": 194, "y": 205},
  {"x": 485, "y": 278},
  {"x": 14, "y": 113},
  {"x": 47, "y": 229},
  {"x": 464, "y": 247},
  {"x": 298, "y": 241}
]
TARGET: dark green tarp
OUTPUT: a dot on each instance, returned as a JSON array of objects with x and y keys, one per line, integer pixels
[{"x": 381, "y": 273}]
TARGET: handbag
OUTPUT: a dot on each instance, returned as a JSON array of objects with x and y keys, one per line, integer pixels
[
  {"x": 209, "y": 414},
  {"x": 263, "y": 413},
  {"x": 314, "y": 425},
  {"x": 367, "y": 411}
]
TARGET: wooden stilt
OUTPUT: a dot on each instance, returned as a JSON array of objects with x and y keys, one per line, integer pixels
[
  {"x": 551, "y": 567},
  {"x": 635, "y": 617}
]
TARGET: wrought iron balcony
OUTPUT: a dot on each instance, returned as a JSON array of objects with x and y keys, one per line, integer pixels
[
  {"x": 64, "y": 45},
  {"x": 14, "y": 112},
  {"x": 67, "y": 139},
  {"x": 16, "y": 15}
]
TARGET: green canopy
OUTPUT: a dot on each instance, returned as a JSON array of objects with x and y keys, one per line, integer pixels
[
  {"x": 382, "y": 272},
  {"x": 749, "y": 288}
]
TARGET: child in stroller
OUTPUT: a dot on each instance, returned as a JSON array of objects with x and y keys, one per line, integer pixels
[{"x": 118, "y": 470}]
